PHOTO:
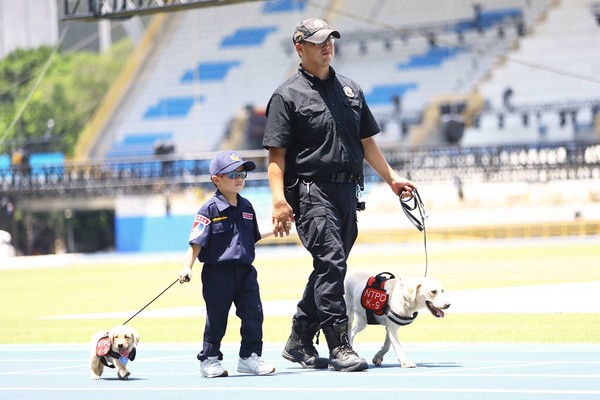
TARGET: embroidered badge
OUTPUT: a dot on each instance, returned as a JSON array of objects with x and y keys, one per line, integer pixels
[
  {"x": 200, "y": 223},
  {"x": 234, "y": 157},
  {"x": 249, "y": 216},
  {"x": 348, "y": 91},
  {"x": 298, "y": 36},
  {"x": 374, "y": 297}
]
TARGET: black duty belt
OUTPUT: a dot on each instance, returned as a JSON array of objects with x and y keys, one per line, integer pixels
[
  {"x": 340, "y": 177},
  {"x": 345, "y": 177}
]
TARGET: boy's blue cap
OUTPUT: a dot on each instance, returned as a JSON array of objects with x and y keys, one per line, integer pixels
[{"x": 229, "y": 161}]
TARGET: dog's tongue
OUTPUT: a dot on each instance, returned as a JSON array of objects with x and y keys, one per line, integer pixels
[
  {"x": 124, "y": 352},
  {"x": 440, "y": 313}
]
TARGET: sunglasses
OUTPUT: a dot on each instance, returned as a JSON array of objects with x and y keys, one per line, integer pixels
[
  {"x": 327, "y": 42},
  {"x": 236, "y": 174}
]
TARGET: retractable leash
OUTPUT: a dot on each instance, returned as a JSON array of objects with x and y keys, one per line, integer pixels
[
  {"x": 151, "y": 301},
  {"x": 419, "y": 223}
]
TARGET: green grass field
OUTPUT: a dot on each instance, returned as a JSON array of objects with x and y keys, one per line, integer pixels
[{"x": 31, "y": 295}]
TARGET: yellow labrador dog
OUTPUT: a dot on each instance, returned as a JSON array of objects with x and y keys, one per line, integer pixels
[
  {"x": 403, "y": 299},
  {"x": 113, "y": 349}
]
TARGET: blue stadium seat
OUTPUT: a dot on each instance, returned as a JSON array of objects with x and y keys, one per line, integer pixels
[
  {"x": 493, "y": 17},
  {"x": 247, "y": 37},
  {"x": 384, "y": 94},
  {"x": 172, "y": 107},
  {"x": 432, "y": 59},
  {"x": 209, "y": 71},
  {"x": 41, "y": 161},
  {"x": 4, "y": 161},
  {"x": 284, "y": 6},
  {"x": 488, "y": 19}
]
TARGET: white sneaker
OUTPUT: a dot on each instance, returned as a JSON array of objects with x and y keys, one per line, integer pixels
[
  {"x": 254, "y": 365},
  {"x": 212, "y": 368}
]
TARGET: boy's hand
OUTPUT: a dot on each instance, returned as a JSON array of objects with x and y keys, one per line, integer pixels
[{"x": 185, "y": 275}]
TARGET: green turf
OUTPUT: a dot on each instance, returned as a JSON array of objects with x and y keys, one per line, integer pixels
[{"x": 29, "y": 296}]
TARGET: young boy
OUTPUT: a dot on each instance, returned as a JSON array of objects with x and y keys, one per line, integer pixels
[{"x": 223, "y": 237}]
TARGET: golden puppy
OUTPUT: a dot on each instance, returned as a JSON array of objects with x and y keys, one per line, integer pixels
[
  {"x": 405, "y": 298},
  {"x": 113, "y": 349}
]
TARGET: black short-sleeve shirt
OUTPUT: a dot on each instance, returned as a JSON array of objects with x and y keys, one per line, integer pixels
[
  {"x": 227, "y": 234},
  {"x": 320, "y": 124}
]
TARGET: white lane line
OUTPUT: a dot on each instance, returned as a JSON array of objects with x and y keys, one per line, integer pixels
[{"x": 288, "y": 389}]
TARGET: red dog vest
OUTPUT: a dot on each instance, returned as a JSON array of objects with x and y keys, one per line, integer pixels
[
  {"x": 374, "y": 296},
  {"x": 103, "y": 346}
]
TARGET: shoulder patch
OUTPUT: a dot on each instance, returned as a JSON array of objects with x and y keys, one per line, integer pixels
[{"x": 200, "y": 223}]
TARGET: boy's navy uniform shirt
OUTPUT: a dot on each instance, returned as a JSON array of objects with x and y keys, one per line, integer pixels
[
  {"x": 321, "y": 124},
  {"x": 227, "y": 234}
]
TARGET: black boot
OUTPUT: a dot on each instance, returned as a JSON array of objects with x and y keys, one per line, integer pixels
[
  {"x": 341, "y": 356},
  {"x": 299, "y": 347}
]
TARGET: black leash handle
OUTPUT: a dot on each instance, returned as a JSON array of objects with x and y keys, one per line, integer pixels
[
  {"x": 417, "y": 205},
  {"x": 151, "y": 301},
  {"x": 419, "y": 223}
]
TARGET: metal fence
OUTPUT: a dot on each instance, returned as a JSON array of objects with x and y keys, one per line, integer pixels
[{"x": 539, "y": 163}]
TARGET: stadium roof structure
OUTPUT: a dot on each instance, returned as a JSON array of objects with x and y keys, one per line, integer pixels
[{"x": 93, "y": 10}]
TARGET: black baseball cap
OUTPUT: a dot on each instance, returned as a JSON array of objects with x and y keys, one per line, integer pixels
[{"x": 313, "y": 30}]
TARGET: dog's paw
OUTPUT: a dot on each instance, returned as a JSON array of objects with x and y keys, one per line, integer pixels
[
  {"x": 94, "y": 377},
  {"x": 377, "y": 361},
  {"x": 408, "y": 364},
  {"x": 124, "y": 375}
]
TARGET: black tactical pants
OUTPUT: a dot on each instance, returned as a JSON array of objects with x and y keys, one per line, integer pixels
[{"x": 327, "y": 226}]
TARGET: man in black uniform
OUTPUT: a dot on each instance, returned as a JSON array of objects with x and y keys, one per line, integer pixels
[{"x": 319, "y": 131}]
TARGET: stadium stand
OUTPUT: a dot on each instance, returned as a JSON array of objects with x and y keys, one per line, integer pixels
[
  {"x": 197, "y": 78},
  {"x": 565, "y": 104}
]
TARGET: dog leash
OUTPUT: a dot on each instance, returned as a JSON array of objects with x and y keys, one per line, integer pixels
[
  {"x": 151, "y": 301},
  {"x": 419, "y": 223}
]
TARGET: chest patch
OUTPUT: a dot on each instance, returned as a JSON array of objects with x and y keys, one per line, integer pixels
[
  {"x": 348, "y": 91},
  {"x": 374, "y": 297},
  {"x": 247, "y": 215},
  {"x": 103, "y": 346}
]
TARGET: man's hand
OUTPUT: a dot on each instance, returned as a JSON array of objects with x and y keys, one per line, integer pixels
[
  {"x": 402, "y": 187},
  {"x": 283, "y": 217}
]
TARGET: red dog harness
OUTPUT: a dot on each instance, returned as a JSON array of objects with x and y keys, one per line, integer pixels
[
  {"x": 374, "y": 297},
  {"x": 374, "y": 300},
  {"x": 103, "y": 350}
]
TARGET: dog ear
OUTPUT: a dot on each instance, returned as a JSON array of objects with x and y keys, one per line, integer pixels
[
  {"x": 132, "y": 354},
  {"x": 136, "y": 336},
  {"x": 410, "y": 294}
]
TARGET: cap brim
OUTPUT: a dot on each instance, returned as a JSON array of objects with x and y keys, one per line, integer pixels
[
  {"x": 322, "y": 35},
  {"x": 248, "y": 166}
]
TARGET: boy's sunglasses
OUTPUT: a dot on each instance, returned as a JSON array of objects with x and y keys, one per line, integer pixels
[{"x": 236, "y": 174}]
